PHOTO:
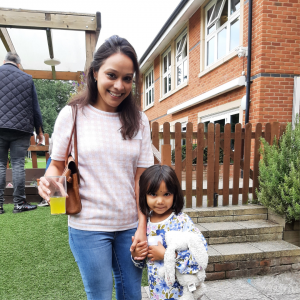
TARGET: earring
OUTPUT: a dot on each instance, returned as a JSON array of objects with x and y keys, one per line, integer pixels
[{"x": 95, "y": 79}]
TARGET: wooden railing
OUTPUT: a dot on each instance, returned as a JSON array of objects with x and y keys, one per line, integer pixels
[
  {"x": 34, "y": 148},
  {"x": 245, "y": 156}
]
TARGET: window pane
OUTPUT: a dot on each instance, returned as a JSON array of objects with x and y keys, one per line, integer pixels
[
  {"x": 224, "y": 15},
  {"x": 179, "y": 74},
  {"x": 217, "y": 9},
  {"x": 150, "y": 97},
  {"x": 235, "y": 5},
  {"x": 234, "y": 119},
  {"x": 211, "y": 51},
  {"x": 178, "y": 46},
  {"x": 166, "y": 85},
  {"x": 179, "y": 57},
  {"x": 146, "y": 82},
  {"x": 211, "y": 29},
  {"x": 222, "y": 43},
  {"x": 184, "y": 51},
  {"x": 152, "y": 77},
  {"x": 169, "y": 60},
  {"x": 235, "y": 33},
  {"x": 152, "y": 94},
  {"x": 146, "y": 99},
  {"x": 169, "y": 77},
  {"x": 209, "y": 12},
  {"x": 206, "y": 126},
  {"x": 222, "y": 124},
  {"x": 185, "y": 71},
  {"x": 165, "y": 63}
]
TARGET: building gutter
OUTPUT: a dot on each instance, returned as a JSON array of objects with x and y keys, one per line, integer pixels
[
  {"x": 164, "y": 28},
  {"x": 248, "y": 80}
]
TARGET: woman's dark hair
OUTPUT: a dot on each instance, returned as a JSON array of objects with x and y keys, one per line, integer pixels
[
  {"x": 150, "y": 181},
  {"x": 129, "y": 112}
]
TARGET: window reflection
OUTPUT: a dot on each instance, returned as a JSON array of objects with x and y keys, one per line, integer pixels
[
  {"x": 222, "y": 43},
  {"x": 235, "y": 5},
  {"x": 234, "y": 33},
  {"x": 210, "y": 51}
]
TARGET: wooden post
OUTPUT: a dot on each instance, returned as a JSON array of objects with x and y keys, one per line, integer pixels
[
  {"x": 256, "y": 159},
  {"x": 226, "y": 164},
  {"x": 166, "y": 155},
  {"x": 155, "y": 138},
  {"x": 199, "y": 174},
  {"x": 178, "y": 155},
  {"x": 33, "y": 153},
  {"x": 189, "y": 165},
  {"x": 237, "y": 163},
  {"x": 210, "y": 164},
  {"x": 217, "y": 156},
  {"x": 248, "y": 133},
  {"x": 90, "y": 45}
]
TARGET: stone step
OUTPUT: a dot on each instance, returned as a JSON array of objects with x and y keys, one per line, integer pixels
[
  {"x": 227, "y": 213},
  {"x": 240, "y": 231},
  {"x": 250, "y": 259}
]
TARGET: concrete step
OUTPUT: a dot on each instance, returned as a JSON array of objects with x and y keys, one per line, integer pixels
[
  {"x": 227, "y": 213},
  {"x": 250, "y": 259},
  {"x": 240, "y": 231}
]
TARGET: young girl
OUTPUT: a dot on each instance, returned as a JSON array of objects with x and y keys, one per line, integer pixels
[{"x": 161, "y": 200}]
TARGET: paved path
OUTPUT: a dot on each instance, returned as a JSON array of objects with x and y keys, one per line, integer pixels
[{"x": 270, "y": 287}]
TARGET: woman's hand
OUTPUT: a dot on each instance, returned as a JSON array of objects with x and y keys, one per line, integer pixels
[
  {"x": 141, "y": 250},
  {"x": 140, "y": 236},
  {"x": 156, "y": 252},
  {"x": 44, "y": 192}
]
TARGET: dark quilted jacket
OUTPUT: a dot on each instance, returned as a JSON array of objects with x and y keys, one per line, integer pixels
[{"x": 17, "y": 95}]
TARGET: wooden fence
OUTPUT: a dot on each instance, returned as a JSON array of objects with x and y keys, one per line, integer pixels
[
  {"x": 34, "y": 148},
  {"x": 244, "y": 156}
]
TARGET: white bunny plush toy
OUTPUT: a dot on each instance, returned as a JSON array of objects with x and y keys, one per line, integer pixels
[{"x": 193, "y": 284}]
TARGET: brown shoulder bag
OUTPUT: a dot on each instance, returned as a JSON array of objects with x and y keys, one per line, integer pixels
[{"x": 73, "y": 202}]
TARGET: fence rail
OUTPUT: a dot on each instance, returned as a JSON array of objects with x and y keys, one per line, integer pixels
[
  {"x": 240, "y": 152},
  {"x": 34, "y": 148}
]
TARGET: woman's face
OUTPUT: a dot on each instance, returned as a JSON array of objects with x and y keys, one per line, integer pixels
[{"x": 114, "y": 81}]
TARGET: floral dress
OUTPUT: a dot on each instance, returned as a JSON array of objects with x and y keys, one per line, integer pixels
[{"x": 185, "y": 262}]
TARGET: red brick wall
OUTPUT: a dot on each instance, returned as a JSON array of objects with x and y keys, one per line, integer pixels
[{"x": 275, "y": 49}]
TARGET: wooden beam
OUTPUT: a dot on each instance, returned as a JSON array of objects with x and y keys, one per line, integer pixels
[
  {"x": 51, "y": 52},
  {"x": 37, "y": 19},
  {"x": 37, "y": 74},
  {"x": 7, "y": 42},
  {"x": 90, "y": 45},
  {"x": 98, "y": 22}
]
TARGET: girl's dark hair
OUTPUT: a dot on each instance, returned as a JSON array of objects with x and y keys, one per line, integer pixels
[
  {"x": 150, "y": 181},
  {"x": 129, "y": 112}
]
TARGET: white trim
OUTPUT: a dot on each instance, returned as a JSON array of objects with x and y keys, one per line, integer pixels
[
  {"x": 183, "y": 60},
  {"x": 149, "y": 106},
  {"x": 183, "y": 85},
  {"x": 221, "y": 115},
  {"x": 150, "y": 88},
  {"x": 224, "y": 88}
]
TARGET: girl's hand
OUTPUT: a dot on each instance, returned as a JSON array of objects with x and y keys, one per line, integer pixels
[
  {"x": 141, "y": 250},
  {"x": 156, "y": 252},
  {"x": 140, "y": 236}
]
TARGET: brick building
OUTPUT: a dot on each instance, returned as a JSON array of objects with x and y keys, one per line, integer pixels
[{"x": 192, "y": 72}]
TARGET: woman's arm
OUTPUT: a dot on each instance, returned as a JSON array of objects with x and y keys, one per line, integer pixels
[
  {"x": 140, "y": 234},
  {"x": 56, "y": 168}
]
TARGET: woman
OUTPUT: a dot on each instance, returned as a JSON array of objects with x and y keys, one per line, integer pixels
[{"x": 114, "y": 149}]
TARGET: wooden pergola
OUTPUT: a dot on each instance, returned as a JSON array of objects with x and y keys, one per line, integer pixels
[{"x": 48, "y": 20}]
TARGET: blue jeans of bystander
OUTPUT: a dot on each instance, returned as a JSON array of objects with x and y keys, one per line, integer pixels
[{"x": 97, "y": 255}]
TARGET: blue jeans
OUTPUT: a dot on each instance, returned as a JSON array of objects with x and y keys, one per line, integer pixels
[
  {"x": 97, "y": 254},
  {"x": 18, "y": 143}
]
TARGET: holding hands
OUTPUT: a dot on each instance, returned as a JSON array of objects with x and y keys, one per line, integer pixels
[{"x": 152, "y": 252}]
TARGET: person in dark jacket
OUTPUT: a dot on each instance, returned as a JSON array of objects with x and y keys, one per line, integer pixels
[{"x": 19, "y": 115}]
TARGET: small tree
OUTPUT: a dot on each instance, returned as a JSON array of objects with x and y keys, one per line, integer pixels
[{"x": 279, "y": 174}]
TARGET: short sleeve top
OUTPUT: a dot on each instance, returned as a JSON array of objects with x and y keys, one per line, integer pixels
[{"x": 107, "y": 165}]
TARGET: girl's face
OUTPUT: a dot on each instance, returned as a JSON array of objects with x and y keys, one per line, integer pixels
[
  {"x": 114, "y": 82},
  {"x": 161, "y": 202}
]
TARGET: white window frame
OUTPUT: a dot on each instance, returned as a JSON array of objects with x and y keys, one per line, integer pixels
[
  {"x": 149, "y": 88},
  {"x": 214, "y": 35},
  {"x": 168, "y": 73},
  {"x": 182, "y": 61},
  {"x": 219, "y": 116}
]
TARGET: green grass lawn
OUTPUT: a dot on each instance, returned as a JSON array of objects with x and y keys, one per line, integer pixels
[
  {"x": 41, "y": 160},
  {"x": 35, "y": 259}
]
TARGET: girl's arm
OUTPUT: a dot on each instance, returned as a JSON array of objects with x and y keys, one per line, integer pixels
[
  {"x": 140, "y": 234},
  {"x": 56, "y": 168}
]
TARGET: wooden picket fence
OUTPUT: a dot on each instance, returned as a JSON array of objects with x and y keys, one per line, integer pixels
[{"x": 245, "y": 157}]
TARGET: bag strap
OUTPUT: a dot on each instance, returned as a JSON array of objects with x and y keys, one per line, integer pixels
[{"x": 73, "y": 131}]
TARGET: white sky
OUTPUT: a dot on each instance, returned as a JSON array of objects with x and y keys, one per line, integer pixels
[{"x": 138, "y": 21}]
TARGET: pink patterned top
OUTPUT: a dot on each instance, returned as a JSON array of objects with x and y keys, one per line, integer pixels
[{"x": 107, "y": 165}]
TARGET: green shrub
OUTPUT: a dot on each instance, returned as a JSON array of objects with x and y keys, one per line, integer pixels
[
  {"x": 279, "y": 174},
  {"x": 183, "y": 154}
]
